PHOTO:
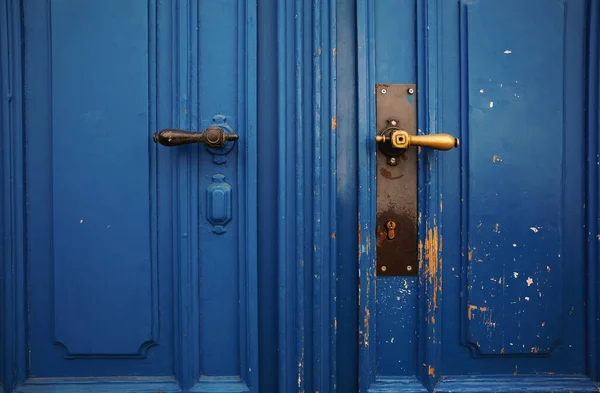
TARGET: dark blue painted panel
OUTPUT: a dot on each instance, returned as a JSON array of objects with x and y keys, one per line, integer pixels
[
  {"x": 92, "y": 192},
  {"x": 521, "y": 271}
]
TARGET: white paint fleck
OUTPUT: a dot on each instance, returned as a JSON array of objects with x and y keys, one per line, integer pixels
[
  {"x": 514, "y": 244},
  {"x": 392, "y": 340},
  {"x": 491, "y": 104},
  {"x": 507, "y": 52},
  {"x": 481, "y": 91},
  {"x": 397, "y": 297},
  {"x": 529, "y": 281},
  {"x": 515, "y": 274},
  {"x": 534, "y": 229},
  {"x": 548, "y": 268},
  {"x": 527, "y": 298},
  {"x": 81, "y": 221}
]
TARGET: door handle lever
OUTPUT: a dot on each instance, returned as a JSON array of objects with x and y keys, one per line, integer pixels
[
  {"x": 403, "y": 140},
  {"x": 214, "y": 137}
]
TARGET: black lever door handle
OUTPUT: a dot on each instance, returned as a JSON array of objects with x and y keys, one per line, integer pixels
[{"x": 214, "y": 137}]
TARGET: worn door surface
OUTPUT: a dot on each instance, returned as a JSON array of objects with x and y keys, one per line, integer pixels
[
  {"x": 506, "y": 296},
  {"x": 130, "y": 265}
]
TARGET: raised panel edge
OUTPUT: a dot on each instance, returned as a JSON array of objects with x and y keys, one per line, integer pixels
[{"x": 13, "y": 316}]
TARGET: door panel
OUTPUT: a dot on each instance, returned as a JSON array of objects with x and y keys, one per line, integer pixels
[
  {"x": 100, "y": 277},
  {"x": 141, "y": 258},
  {"x": 523, "y": 283},
  {"x": 501, "y": 292}
]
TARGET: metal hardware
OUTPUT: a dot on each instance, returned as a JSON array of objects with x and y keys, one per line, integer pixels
[
  {"x": 213, "y": 137},
  {"x": 396, "y": 184},
  {"x": 390, "y": 227},
  {"x": 396, "y": 227},
  {"x": 403, "y": 140}
]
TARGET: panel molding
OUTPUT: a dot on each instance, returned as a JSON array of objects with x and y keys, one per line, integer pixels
[
  {"x": 306, "y": 131},
  {"x": 593, "y": 192},
  {"x": 508, "y": 384},
  {"x": 13, "y": 320},
  {"x": 475, "y": 312}
]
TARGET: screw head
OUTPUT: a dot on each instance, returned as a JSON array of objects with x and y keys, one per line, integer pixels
[
  {"x": 383, "y": 268},
  {"x": 411, "y": 91},
  {"x": 393, "y": 122},
  {"x": 383, "y": 91},
  {"x": 409, "y": 268},
  {"x": 392, "y": 160}
]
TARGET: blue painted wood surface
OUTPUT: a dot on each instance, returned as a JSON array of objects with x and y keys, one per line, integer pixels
[
  {"x": 132, "y": 267},
  {"x": 513, "y": 295}
]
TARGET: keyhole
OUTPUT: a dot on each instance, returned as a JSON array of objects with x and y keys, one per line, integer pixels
[{"x": 390, "y": 227}]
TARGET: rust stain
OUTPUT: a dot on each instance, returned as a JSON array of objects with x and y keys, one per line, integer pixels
[
  {"x": 496, "y": 159},
  {"x": 470, "y": 254},
  {"x": 333, "y": 123},
  {"x": 431, "y": 371},
  {"x": 332, "y": 235},
  {"x": 319, "y": 51},
  {"x": 334, "y": 51},
  {"x": 534, "y": 350},
  {"x": 388, "y": 175},
  {"x": 335, "y": 325},
  {"x": 497, "y": 228},
  {"x": 543, "y": 323},
  {"x": 441, "y": 204},
  {"x": 184, "y": 111},
  {"x": 502, "y": 351},
  {"x": 433, "y": 319}
]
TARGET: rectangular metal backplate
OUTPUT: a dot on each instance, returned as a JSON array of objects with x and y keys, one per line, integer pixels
[{"x": 397, "y": 185}]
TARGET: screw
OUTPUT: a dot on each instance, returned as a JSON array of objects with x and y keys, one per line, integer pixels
[
  {"x": 411, "y": 91},
  {"x": 383, "y": 91},
  {"x": 392, "y": 160},
  {"x": 383, "y": 268},
  {"x": 393, "y": 122},
  {"x": 409, "y": 268}
]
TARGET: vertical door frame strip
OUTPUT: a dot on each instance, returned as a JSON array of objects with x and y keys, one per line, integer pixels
[
  {"x": 306, "y": 179},
  {"x": 592, "y": 203},
  {"x": 429, "y": 185}
]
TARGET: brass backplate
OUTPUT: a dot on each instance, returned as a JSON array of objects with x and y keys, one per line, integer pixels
[{"x": 397, "y": 185}]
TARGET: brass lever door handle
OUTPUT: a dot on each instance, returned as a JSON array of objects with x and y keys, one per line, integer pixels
[
  {"x": 403, "y": 140},
  {"x": 214, "y": 137}
]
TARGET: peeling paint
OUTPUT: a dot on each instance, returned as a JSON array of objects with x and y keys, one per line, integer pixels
[
  {"x": 431, "y": 371},
  {"x": 433, "y": 264}
]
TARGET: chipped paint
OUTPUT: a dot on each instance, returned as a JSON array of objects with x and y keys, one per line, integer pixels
[
  {"x": 366, "y": 327},
  {"x": 431, "y": 371},
  {"x": 333, "y": 123},
  {"x": 433, "y": 263},
  {"x": 496, "y": 159}
]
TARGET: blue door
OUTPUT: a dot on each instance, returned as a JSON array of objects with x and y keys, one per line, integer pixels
[
  {"x": 506, "y": 298},
  {"x": 189, "y": 196},
  {"x": 128, "y": 265}
]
